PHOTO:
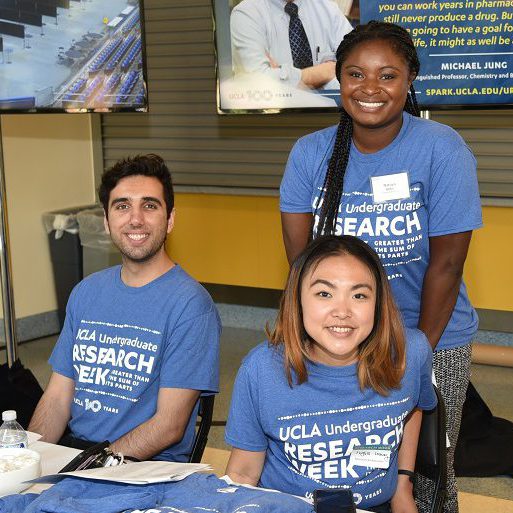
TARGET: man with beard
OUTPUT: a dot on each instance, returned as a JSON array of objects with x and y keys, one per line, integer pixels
[{"x": 141, "y": 341}]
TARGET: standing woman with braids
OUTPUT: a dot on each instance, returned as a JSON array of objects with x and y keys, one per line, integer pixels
[{"x": 406, "y": 186}]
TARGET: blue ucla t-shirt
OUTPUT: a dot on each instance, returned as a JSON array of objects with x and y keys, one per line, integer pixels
[
  {"x": 122, "y": 344},
  {"x": 433, "y": 191},
  {"x": 310, "y": 430},
  {"x": 196, "y": 493}
]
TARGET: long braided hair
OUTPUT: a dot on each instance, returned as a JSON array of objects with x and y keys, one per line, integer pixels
[{"x": 334, "y": 180}]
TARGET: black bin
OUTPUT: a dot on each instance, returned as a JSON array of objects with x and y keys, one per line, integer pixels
[{"x": 65, "y": 252}]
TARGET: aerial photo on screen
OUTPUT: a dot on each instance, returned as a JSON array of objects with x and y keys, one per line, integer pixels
[{"x": 72, "y": 55}]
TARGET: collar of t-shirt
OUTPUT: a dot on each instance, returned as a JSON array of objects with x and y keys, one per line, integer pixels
[
  {"x": 357, "y": 155},
  {"x": 320, "y": 369},
  {"x": 176, "y": 269}
]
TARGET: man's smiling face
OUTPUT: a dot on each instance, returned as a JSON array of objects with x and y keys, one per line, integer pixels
[{"x": 137, "y": 218}]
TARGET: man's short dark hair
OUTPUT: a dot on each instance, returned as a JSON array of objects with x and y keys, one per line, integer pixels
[{"x": 141, "y": 165}]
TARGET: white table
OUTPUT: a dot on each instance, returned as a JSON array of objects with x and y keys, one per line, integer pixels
[{"x": 53, "y": 458}]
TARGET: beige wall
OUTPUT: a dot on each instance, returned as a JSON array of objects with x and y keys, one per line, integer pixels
[
  {"x": 48, "y": 161},
  {"x": 246, "y": 232}
]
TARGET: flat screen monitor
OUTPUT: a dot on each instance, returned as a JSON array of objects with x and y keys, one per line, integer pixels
[
  {"x": 464, "y": 47},
  {"x": 257, "y": 70},
  {"x": 72, "y": 56}
]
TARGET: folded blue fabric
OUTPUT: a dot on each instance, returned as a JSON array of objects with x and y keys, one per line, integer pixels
[
  {"x": 16, "y": 503},
  {"x": 73, "y": 495},
  {"x": 206, "y": 492},
  {"x": 198, "y": 492}
]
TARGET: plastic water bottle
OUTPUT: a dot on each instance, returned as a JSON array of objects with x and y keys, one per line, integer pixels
[{"x": 12, "y": 435}]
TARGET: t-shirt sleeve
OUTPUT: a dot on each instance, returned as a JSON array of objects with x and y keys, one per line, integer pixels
[
  {"x": 297, "y": 184},
  {"x": 454, "y": 202},
  {"x": 191, "y": 357},
  {"x": 427, "y": 397},
  {"x": 243, "y": 429},
  {"x": 61, "y": 359}
]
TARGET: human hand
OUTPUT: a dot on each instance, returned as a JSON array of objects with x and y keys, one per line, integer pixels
[
  {"x": 402, "y": 501},
  {"x": 318, "y": 75},
  {"x": 272, "y": 62}
]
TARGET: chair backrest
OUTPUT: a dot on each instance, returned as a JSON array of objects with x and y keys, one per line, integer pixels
[
  {"x": 205, "y": 411},
  {"x": 431, "y": 459}
]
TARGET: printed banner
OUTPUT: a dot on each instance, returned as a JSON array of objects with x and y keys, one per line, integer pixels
[
  {"x": 265, "y": 63},
  {"x": 465, "y": 48}
]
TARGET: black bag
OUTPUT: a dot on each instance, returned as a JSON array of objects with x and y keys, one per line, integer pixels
[
  {"x": 20, "y": 391},
  {"x": 95, "y": 456},
  {"x": 485, "y": 443},
  {"x": 92, "y": 457}
]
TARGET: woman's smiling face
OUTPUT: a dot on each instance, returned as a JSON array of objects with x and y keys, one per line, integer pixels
[
  {"x": 338, "y": 299},
  {"x": 374, "y": 84}
]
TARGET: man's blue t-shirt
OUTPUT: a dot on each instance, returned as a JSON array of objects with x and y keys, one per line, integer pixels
[
  {"x": 430, "y": 172},
  {"x": 122, "y": 344},
  {"x": 309, "y": 431}
]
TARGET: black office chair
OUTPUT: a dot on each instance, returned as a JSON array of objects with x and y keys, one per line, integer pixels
[
  {"x": 432, "y": 452},
  {"x": 205, "y": 411}
]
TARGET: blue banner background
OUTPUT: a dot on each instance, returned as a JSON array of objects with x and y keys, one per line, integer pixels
[{"x": 465, "y": 48}]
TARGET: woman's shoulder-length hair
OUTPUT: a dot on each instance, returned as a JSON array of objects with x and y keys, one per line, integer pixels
[{"x": 381, "y": 357}]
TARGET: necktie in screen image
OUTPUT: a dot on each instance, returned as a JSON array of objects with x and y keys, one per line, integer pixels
[{"x": 299, "y": 45}]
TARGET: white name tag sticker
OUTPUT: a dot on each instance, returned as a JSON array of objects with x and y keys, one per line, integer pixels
[
  {"x": 390, "y": 187},
  {"x": 374, "y": 456}
]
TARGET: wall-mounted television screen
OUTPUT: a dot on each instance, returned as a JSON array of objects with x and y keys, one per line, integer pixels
[
  {"x": 72, "y": 56},
  {"x": 260, "y": 70},
  {"x": 268, "y": 61}
]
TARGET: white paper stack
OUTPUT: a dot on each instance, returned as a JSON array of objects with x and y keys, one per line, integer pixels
[{"x": 139, "y": 473}]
